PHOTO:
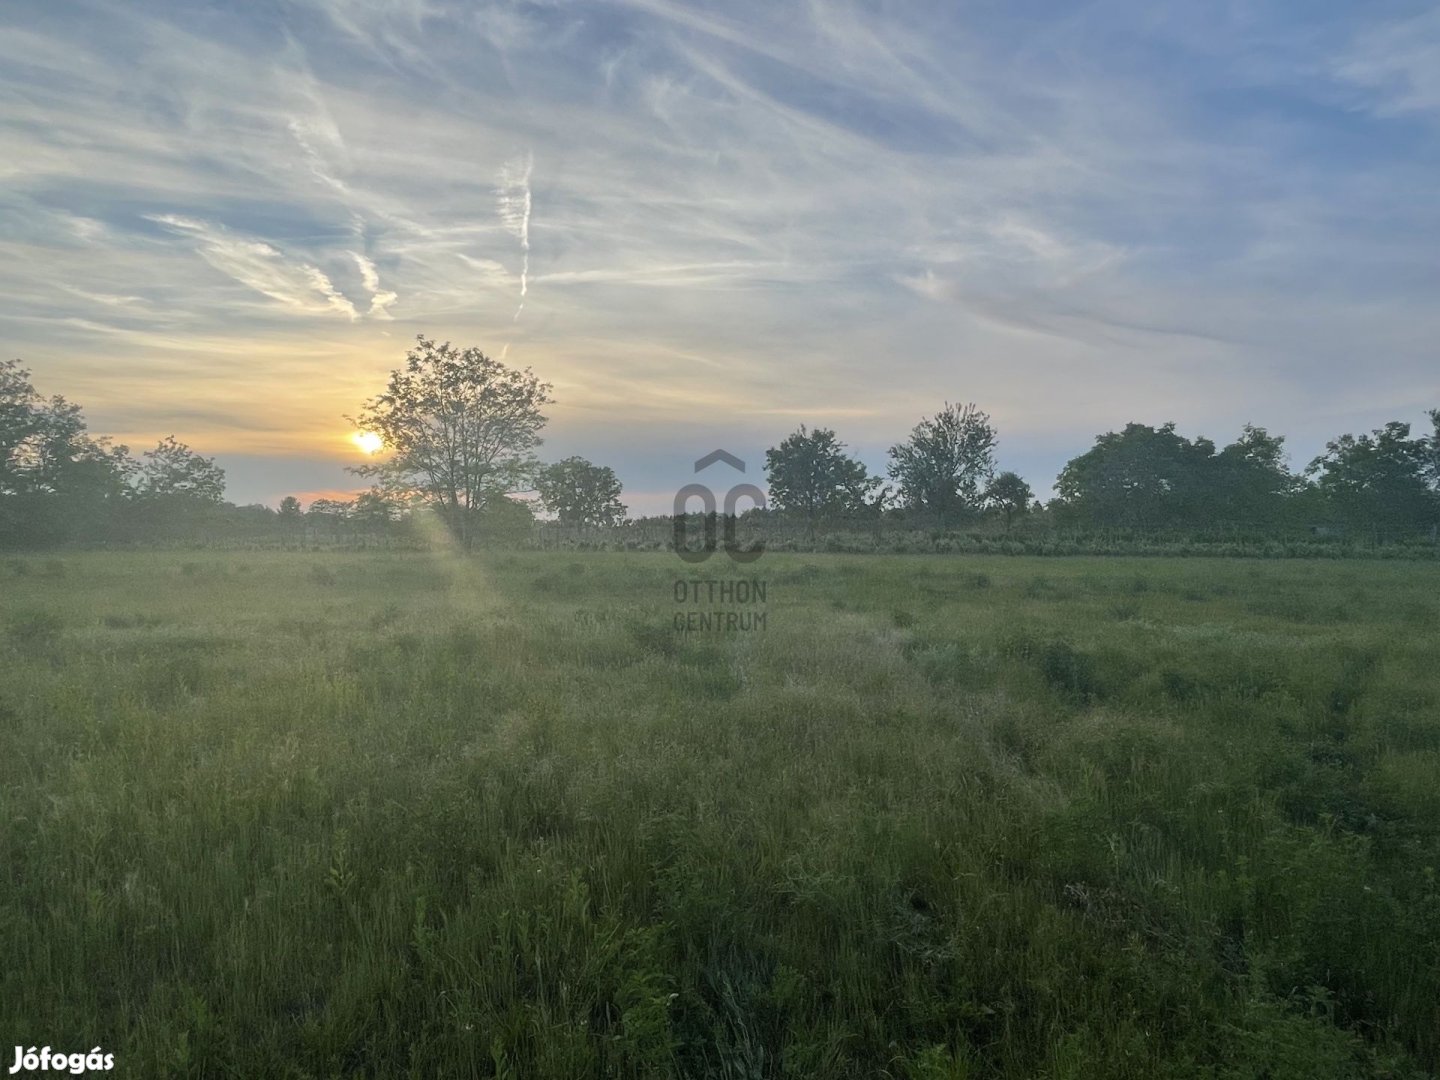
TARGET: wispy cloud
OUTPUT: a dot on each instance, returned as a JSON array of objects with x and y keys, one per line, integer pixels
[
  {"x": 380, "y": 299},
  {"x": 258, "y": 265},
  {"x": 1398, "y": 62}
]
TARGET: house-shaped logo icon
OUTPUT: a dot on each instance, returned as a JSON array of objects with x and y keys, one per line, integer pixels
[{"x": 719, "y": 455}]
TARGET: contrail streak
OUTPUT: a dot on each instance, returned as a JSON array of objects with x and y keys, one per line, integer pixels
[{"x": 514, "y": 197}]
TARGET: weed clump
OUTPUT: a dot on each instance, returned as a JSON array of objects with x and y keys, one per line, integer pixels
[{"x": 1072, "y": 673}]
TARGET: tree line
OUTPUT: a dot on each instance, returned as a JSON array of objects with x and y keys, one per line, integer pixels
[
  {"x": 460, "y": 431},
  {"x": 1381, "y": 484}
]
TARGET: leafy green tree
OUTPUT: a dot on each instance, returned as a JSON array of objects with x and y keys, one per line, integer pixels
[
  {"x": 1010, "y": 495},
  {"x": 944, "y": 466},
  {"x": 1150, "y": 478},
  {"x": 374, "y": 508},
  {"x": 175, "y": 473},
  {"x": 810, "y": 474},
  {"x": 579, "y": 492},
  {"x": 460, "y": 428},
  {"x": 19, "y": 408},
  {"x": 1379, "y": 481},
  {"x": 60, "y": 458},
  {"x": 290, "y": 508},
  {"x": 1250, "y": 482},
  {"x": 176, "y": 492},
  {"x": 1432, "y": 452},
  {"x": 1141, "y": 477},
  {"x": 57, "y": 483}
]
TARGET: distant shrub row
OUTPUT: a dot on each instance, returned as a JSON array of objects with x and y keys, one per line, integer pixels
[{"x": 924, "y": 543}]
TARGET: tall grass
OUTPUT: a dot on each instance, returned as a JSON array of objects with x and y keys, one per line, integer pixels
[{"x": 425, "y": 815}]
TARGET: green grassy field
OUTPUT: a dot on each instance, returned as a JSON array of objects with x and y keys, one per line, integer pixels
[{"x": 300, "y": 815}]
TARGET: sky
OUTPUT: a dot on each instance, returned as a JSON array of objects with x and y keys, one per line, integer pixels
[{"x": 709, "y": 223}]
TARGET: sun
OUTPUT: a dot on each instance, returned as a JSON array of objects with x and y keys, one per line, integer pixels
[{"x": 368, "y": 441}]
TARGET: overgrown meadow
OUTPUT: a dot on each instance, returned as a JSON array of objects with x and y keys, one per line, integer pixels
[{"x": 420, "y": 815}]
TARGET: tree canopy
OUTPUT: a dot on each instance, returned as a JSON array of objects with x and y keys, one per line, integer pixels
[
  {"x": 810, "y": 474},
  {"x": 579, "y": 492},
  {"x": 459, "y": 428},
  {"x": 173, "y": 471},
  {"x": 55, "y": 479},
  {"x": 1384, "y": 480},
  {"x": 1010, "y": 496},
  {"x": 1148, "y": 477},
  {"x": 945, "y": 465}
]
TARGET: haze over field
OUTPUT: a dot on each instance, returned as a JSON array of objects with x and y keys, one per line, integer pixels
[{"x": 709, "y": 224}]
